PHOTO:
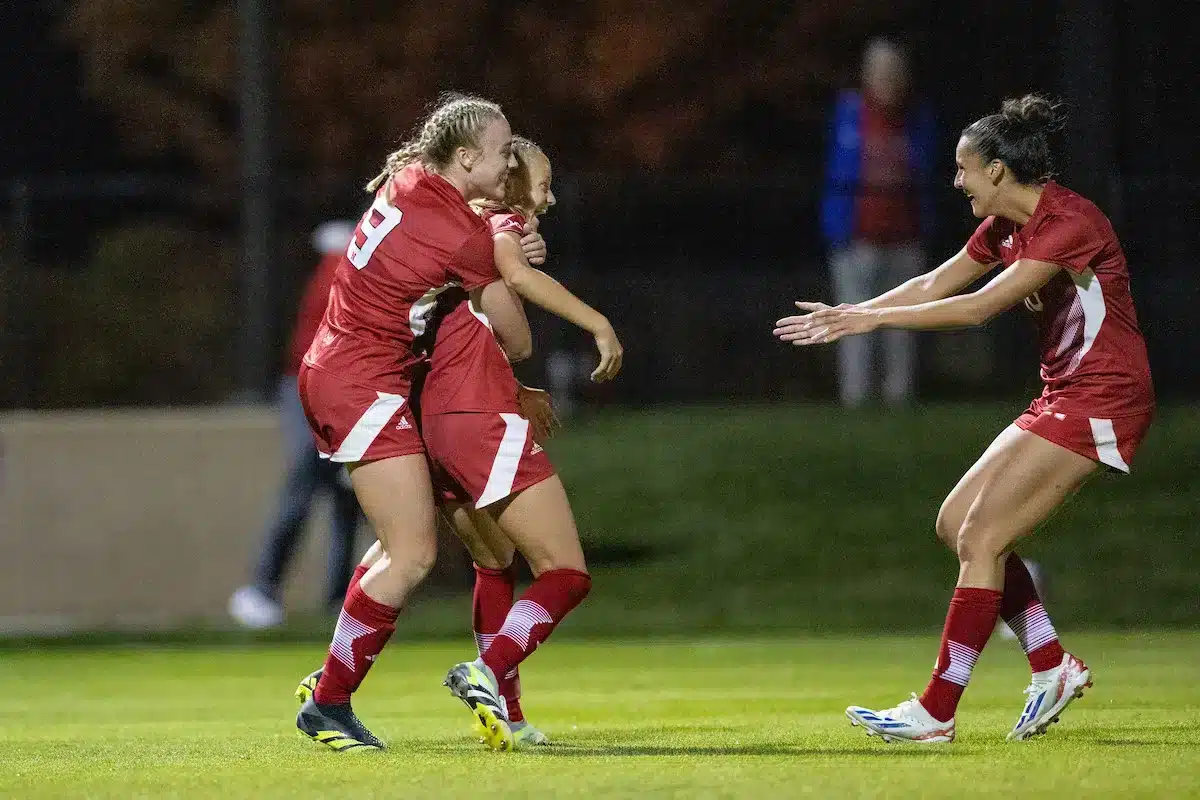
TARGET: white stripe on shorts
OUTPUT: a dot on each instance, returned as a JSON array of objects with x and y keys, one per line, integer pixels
[
  {"x": 356, "y": 443},
  {"x": 1106, "y": 444},
  {"x": 508, "y": 458}
]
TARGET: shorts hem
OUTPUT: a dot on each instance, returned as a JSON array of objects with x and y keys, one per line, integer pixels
[
  {"x": 367, "y": 458},
  {"x": 518, "y": 487}
]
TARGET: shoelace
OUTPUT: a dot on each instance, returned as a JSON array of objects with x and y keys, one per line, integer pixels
[
  {"x": 1037, "y": 686},
  {"x": 904, "y": 711}
]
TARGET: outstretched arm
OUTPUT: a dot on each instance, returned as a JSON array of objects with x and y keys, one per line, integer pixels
[
  {"x": 543, "y": 290},
  {"x": 824, "y": 324},
  {"x": 955, "y": 274}
]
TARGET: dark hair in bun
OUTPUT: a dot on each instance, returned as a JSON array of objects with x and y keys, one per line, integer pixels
[{"x": 1018, "y": 136}]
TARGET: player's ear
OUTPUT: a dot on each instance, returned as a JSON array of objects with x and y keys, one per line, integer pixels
[
  {"x": 995, "y": 170},
  {"x": 466, "y": 157}
]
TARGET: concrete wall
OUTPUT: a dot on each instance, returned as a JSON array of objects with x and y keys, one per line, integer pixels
[{"x": 118, "y": 519}]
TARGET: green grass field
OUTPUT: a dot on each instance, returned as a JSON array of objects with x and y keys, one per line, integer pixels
[{"x": 718, "y": 717}]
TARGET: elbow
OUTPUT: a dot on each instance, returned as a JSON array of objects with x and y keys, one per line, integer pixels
[
  {"x": 519, "y": 351},
  {"x": 517, "y": 280}
]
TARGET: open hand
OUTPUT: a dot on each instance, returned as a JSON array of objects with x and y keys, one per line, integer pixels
[{"x": 824, "y": 324}]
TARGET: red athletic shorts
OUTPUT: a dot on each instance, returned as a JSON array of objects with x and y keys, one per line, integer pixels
[
  {"x": 482, "y": 457},
  {"x": 352, "y": 423},
  {"x": 1112, "y": 442}
]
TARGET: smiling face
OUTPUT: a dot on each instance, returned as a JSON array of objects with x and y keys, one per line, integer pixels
[
  {"x": 541, "y": 196},
  {"x": 976, "y": 178},
  {"x": 487, "y": 166}
]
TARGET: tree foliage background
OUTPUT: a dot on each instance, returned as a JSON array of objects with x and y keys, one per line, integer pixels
[{"x": 612, "y": 84}]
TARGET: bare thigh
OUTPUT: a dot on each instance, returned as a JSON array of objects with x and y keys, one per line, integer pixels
[
  {"x": 538, "y": 520},
  {"x": 485, "y": 541},
  {"x": 397, "y": 498},
  {"x": 953, "y": 512},
  {"x": 1030, "y": 479}
]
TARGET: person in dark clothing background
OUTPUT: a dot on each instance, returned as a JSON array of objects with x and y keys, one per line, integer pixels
[{"x": 259, "y": 604}]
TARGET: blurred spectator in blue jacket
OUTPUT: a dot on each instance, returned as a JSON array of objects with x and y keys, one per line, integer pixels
[{"x": 876, "y": 210}]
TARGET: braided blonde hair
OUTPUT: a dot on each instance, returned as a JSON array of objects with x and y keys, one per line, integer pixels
[{"x": 456, "y": 121}]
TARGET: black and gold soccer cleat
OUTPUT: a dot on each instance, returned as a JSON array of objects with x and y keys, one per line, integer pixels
[
  {"x": 474, "y": 684},
  {"x": 335, "y": 727},
  {"x": 308, "y": 686}
]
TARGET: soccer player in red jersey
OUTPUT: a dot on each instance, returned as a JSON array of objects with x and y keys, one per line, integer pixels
[
  {"x": 1062, "y": 260},
  {"x": 418, "y": 245},
  {"x": 527, "y": 196},
  {"x": 496, "y": 482},
  {"x": 469, "y": 373}
]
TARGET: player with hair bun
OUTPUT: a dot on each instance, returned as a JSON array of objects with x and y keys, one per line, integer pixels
[{"x": 1061, "y": 259}]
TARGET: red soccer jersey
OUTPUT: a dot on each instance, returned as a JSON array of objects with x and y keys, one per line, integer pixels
[
  {"x": 468, "y": 371},
  {"x": 312, "y": 311},
  {"x": 417, "y": 241},
  {"x": 1093, "y": 356}
]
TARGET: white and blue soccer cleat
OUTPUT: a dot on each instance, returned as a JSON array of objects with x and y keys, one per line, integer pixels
[
  {"x": 525, "y": 735},
  {"x": 908, "y": 722},
  {"x": 1048, "y": 695}
]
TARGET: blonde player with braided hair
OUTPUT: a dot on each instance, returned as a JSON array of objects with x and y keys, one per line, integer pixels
[
  {"x": 462, "y": 440},
  {"x": 418, "y": 252}
]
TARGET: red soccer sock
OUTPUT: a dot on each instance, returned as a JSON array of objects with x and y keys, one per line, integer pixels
[
  {"x": 969, "y": 623},
  {"x": 533, "y": 617},
  {"x": 492, "y": 599},
  {"x": 1022, "y": 610},
  {"x": 359, "y": 571},
  {"x": 363, "y": 628}
]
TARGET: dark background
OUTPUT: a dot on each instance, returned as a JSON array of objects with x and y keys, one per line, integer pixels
[{"x": 688, "y": 151}]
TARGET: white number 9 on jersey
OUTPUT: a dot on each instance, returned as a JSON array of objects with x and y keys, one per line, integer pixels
[{"x": 377, "y": 223}]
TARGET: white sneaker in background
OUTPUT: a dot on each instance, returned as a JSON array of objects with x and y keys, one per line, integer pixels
[{"x": 254, "y": 610}]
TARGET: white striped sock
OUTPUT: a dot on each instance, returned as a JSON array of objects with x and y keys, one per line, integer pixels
[
  {"x": 347, "y": 630},
  {"x": 483, "y": 641},
  {"x": 1033, "y": 628},
  {"x": 520, "y": 621},
  {"x": 962, "y": 661}
]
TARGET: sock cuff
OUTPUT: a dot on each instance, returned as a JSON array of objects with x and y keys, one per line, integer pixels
[
  {"x": 369, "y": 610},
  {"x": 565, "y": 573},
  {"x": 983, "y": 598},
  {"x": 577, "y": 583},
  {"x": 508, "y": 572}
]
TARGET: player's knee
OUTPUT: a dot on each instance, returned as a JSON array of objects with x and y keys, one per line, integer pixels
[
  {"x": 409, "y": 567},
  {"x": 947, "y": 527},
  {"x": 977, "y": 542},
  {"x": 548, "y": 562},
  {"x": 422, "y": 561}
]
